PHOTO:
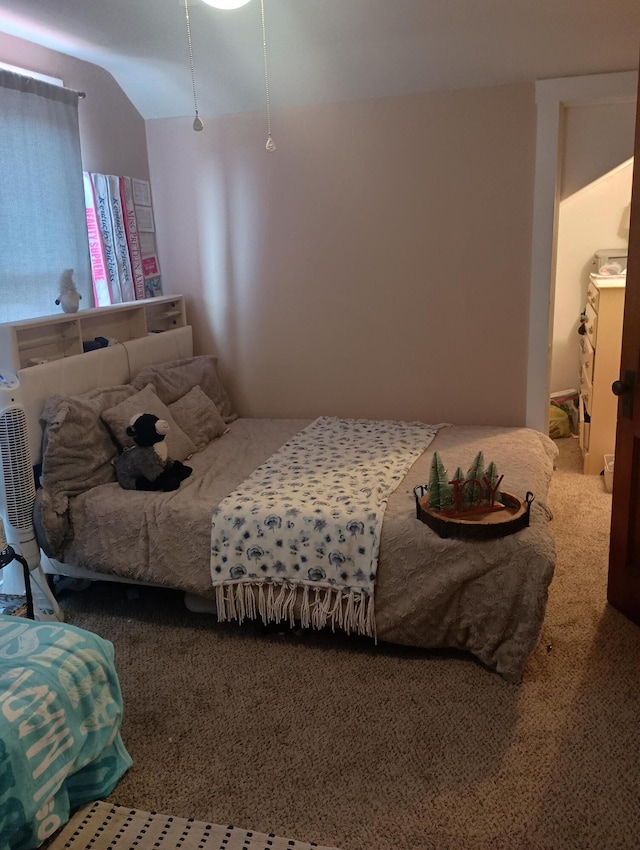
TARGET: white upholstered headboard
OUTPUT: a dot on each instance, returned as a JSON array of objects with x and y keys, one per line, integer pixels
[{"x": 105, "y": 367}]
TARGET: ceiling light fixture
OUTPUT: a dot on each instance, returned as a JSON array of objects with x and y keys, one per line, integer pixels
[
  {"x": 198, "y": 123},
  {"x": 226, "y": 4},
  {"x": 271, "y": 145}
]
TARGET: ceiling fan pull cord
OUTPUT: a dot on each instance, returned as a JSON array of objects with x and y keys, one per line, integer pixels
[
  {"x": 271, "y": 145},
  {"x": 198, "y": 123}
]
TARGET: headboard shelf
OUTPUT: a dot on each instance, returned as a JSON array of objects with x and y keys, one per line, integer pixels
[
  {"x": 29, "y": 342},
  {"x": 169, "y": 314},
  {"x": 164, "y": 316},
  {"x": 39, "y": 342}
]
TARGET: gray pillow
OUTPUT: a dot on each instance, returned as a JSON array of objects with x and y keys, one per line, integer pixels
[
  {"x": 198, "y": 417},
  {"x": 78, "y": 450},
  {"x": 179, "y": 446},
  {"x": 175, "y": 378}
]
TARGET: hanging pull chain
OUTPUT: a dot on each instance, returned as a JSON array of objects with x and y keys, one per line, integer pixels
[
  {"x": 198, "y": 123},
  {"x": 271, "y": 145}
]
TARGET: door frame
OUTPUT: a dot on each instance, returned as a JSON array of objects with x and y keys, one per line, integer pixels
[{"x": 553, "y": 97}]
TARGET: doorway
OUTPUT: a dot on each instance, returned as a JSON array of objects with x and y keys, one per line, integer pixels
[
  {"x": 588, "y": 307},
  {"x": 553, "y": 97}
]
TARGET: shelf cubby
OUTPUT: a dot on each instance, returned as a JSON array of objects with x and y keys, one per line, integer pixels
[{"x": 28, "y": 342}]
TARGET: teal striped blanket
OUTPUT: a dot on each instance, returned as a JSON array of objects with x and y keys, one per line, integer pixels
[{"x": 60, "y": 715}]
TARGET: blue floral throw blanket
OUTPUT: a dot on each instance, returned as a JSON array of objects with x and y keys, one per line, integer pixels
[
  {"x": 60, "y": 715},
  {"x": 306, "y": 525}
]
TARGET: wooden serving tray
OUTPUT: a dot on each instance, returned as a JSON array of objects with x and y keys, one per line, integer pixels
[{"x": 477, "y": 524}]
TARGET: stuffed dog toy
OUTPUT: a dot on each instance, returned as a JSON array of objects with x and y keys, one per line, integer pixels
[{"x": 147, "y": 466}]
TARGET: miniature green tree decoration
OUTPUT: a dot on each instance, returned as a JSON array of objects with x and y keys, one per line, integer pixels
[
  {"x": 477, "y": 467},
  {"x": 460, "y": 478},
  {"x": 473, "y": 493},
  {"x": 440, "y": 491},
  {"x": 472, "y": 505},
  {"x": 492, "y": 494}
]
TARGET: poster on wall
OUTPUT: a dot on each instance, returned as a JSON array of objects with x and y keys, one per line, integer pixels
[
  {"x": 141, "y": 192},
  {"x": 144, "y": 217},
  {"x": 99, "y": 274},
  {"x": 105, "y": 224},
  {"x": 152, "y": 278},
  {"x": 150, "y": 267},
  {"x": 147, "y": 244},
  {"x": 133, "y": 237},
  {"x": 153, "y": 286},
  {"x": 122, "y": 241}
]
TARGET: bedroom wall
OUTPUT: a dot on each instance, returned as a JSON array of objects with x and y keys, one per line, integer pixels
[
  {"x": 112, "y": 132},
  {"x": 376, "y": 265}
]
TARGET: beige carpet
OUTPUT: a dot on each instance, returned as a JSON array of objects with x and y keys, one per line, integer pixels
[
  {"x": 325, "y": 739},
  {"x": 105, "y": 826}
]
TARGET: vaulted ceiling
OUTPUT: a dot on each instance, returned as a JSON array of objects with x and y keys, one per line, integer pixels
[{"x": 327, "y": 50}]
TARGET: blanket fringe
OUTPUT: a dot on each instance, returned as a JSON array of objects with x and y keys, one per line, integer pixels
[{"x": 275, "y": 602}]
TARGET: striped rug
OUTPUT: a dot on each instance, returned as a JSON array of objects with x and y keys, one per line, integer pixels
[{"x": 102, "y": 826}]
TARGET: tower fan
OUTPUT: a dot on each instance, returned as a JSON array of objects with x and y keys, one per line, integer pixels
[{"x": 17, "y": 497}]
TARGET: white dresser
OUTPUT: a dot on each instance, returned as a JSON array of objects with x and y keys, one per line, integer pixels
[{"x": 599, "y": 368}]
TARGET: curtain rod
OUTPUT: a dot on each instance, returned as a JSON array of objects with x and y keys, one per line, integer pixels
[
  {"x": 26, "y": 83},
  {"x": 81, "y": 95}
]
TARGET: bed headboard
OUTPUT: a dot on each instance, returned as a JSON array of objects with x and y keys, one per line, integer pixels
[{"x": 105, "y": 367}]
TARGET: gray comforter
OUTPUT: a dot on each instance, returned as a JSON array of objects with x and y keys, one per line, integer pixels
[{"x": 486, "y": 597}]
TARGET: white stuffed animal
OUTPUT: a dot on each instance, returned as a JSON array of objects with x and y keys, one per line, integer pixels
[{"x": 69, "y": 298}]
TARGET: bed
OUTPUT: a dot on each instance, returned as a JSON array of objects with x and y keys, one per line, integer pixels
[
  {"x": 60, "y": 714},
  {"x": 484, "y": 597}
]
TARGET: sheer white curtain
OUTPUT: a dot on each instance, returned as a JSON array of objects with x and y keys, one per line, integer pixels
[{"x": 43, "y": 229}]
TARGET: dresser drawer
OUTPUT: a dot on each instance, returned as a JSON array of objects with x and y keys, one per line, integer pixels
[
  {"x": 591, "y": 325},
  {"x": 585, "y": 428},
  {"x": 593, "y": 295},
  {"x": 587, "y": 358},
  {"x": 585, "y": 390}
]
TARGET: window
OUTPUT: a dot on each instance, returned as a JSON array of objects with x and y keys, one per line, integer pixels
[{"x": 43, "y": 232}]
